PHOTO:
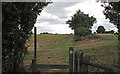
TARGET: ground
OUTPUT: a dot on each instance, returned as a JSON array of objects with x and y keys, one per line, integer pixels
[{"x": 53, "y": 49}]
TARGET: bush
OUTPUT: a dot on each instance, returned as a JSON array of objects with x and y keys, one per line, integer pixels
[
  {"x": 81, "y": 23},
  {"x": 18, "y": 21},
  {"x": 81, "y": 32}
]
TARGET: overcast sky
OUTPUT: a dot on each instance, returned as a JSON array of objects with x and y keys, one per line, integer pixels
[{"x": 53, "y": 18}]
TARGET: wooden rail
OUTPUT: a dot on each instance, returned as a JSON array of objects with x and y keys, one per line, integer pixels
[
  {"x": 81, "y": 63},
  {"x": 103, "y": 66},
  {"x": 44, "y": 66}
]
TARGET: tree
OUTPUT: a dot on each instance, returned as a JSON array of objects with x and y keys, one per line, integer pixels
[
  {"x": 112, "y": 31},
  {"x": 100, "y": 29},
  {"x": 112, "y": 12},
  {"x": 81, "y": 24},
  {"x": 18, "y": 21}
]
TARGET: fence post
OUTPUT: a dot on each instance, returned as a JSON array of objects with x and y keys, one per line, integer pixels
[
  {"x": 35, "y": 45},
  {"x": 86, "y": 60},
  {"x": 80, "y": 60},
  {"x": 34, "y": 65},
  {"x": 75, "y": 62},
  {"x": 70, "y": 59}
]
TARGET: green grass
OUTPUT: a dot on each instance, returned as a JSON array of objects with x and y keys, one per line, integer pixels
[
  {"x": 107, "y": 36},
  {"x": 53, "y": 49}
]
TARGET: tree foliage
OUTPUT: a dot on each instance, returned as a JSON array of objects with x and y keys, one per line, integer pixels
[
  {"x": 18, "y": 21},
  {"x": 81, "y": 24},
  {"x": 100, "y": 29},
  {"x": 111, "y": 31},
  {"x": 112, "y": 12}
]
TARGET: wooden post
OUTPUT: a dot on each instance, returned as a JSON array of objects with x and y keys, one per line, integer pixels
[
  {"x": 35, "y": 42},
  {"x": 70, "y": 59},
  {"x": 34, "y": 60},
  {"x": 34, "y": 65},
  {"x": 75, "y": 62},
  {"x": 86, "y": 60},
  {"x": 80, "y": 60}
]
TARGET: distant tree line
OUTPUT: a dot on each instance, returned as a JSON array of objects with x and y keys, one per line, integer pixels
[
  {"x": 45, "y": 33},
  {"x": 111, "y": 31},
  {"x": 101, "y": 29}
]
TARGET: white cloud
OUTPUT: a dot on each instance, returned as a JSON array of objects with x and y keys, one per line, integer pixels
[
  {"x": 73, "y": 0},
  {"x": 59, "y": 28},
  {"x": 43, "y": 24},
  {"x": 48, "y": 15},
  {"x": 88, "y": 8}
]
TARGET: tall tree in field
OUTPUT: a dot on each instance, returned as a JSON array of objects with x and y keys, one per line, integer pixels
[
  {"x": 81, "y": 24},
  {"x": 18, "y": 19},
  {"x": 112, "y": 12},
  {"x": 100, "y": 29}
]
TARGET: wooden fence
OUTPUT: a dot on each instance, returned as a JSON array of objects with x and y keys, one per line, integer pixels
[{"x": 81, "y": 63}]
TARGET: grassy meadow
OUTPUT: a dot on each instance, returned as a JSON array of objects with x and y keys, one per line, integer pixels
[{"x": 53, "y": 49}]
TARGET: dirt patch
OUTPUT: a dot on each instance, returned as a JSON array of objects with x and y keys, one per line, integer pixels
[
  {"x": 43, "y": 71},
  {"x": 89, "y": 37},
  {"x": 92, "y": 43}
]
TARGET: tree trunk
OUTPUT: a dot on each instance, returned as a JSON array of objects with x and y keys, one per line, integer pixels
[{"x": 118, "y": 45}]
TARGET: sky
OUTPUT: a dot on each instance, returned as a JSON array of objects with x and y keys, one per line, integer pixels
[{"x": 53, "y": 17}]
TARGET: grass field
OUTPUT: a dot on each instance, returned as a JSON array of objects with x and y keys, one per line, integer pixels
[{"x": 53, "y": 49}]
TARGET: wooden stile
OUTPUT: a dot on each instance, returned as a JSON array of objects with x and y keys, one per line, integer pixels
[{"x": 35, "y": 66}]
